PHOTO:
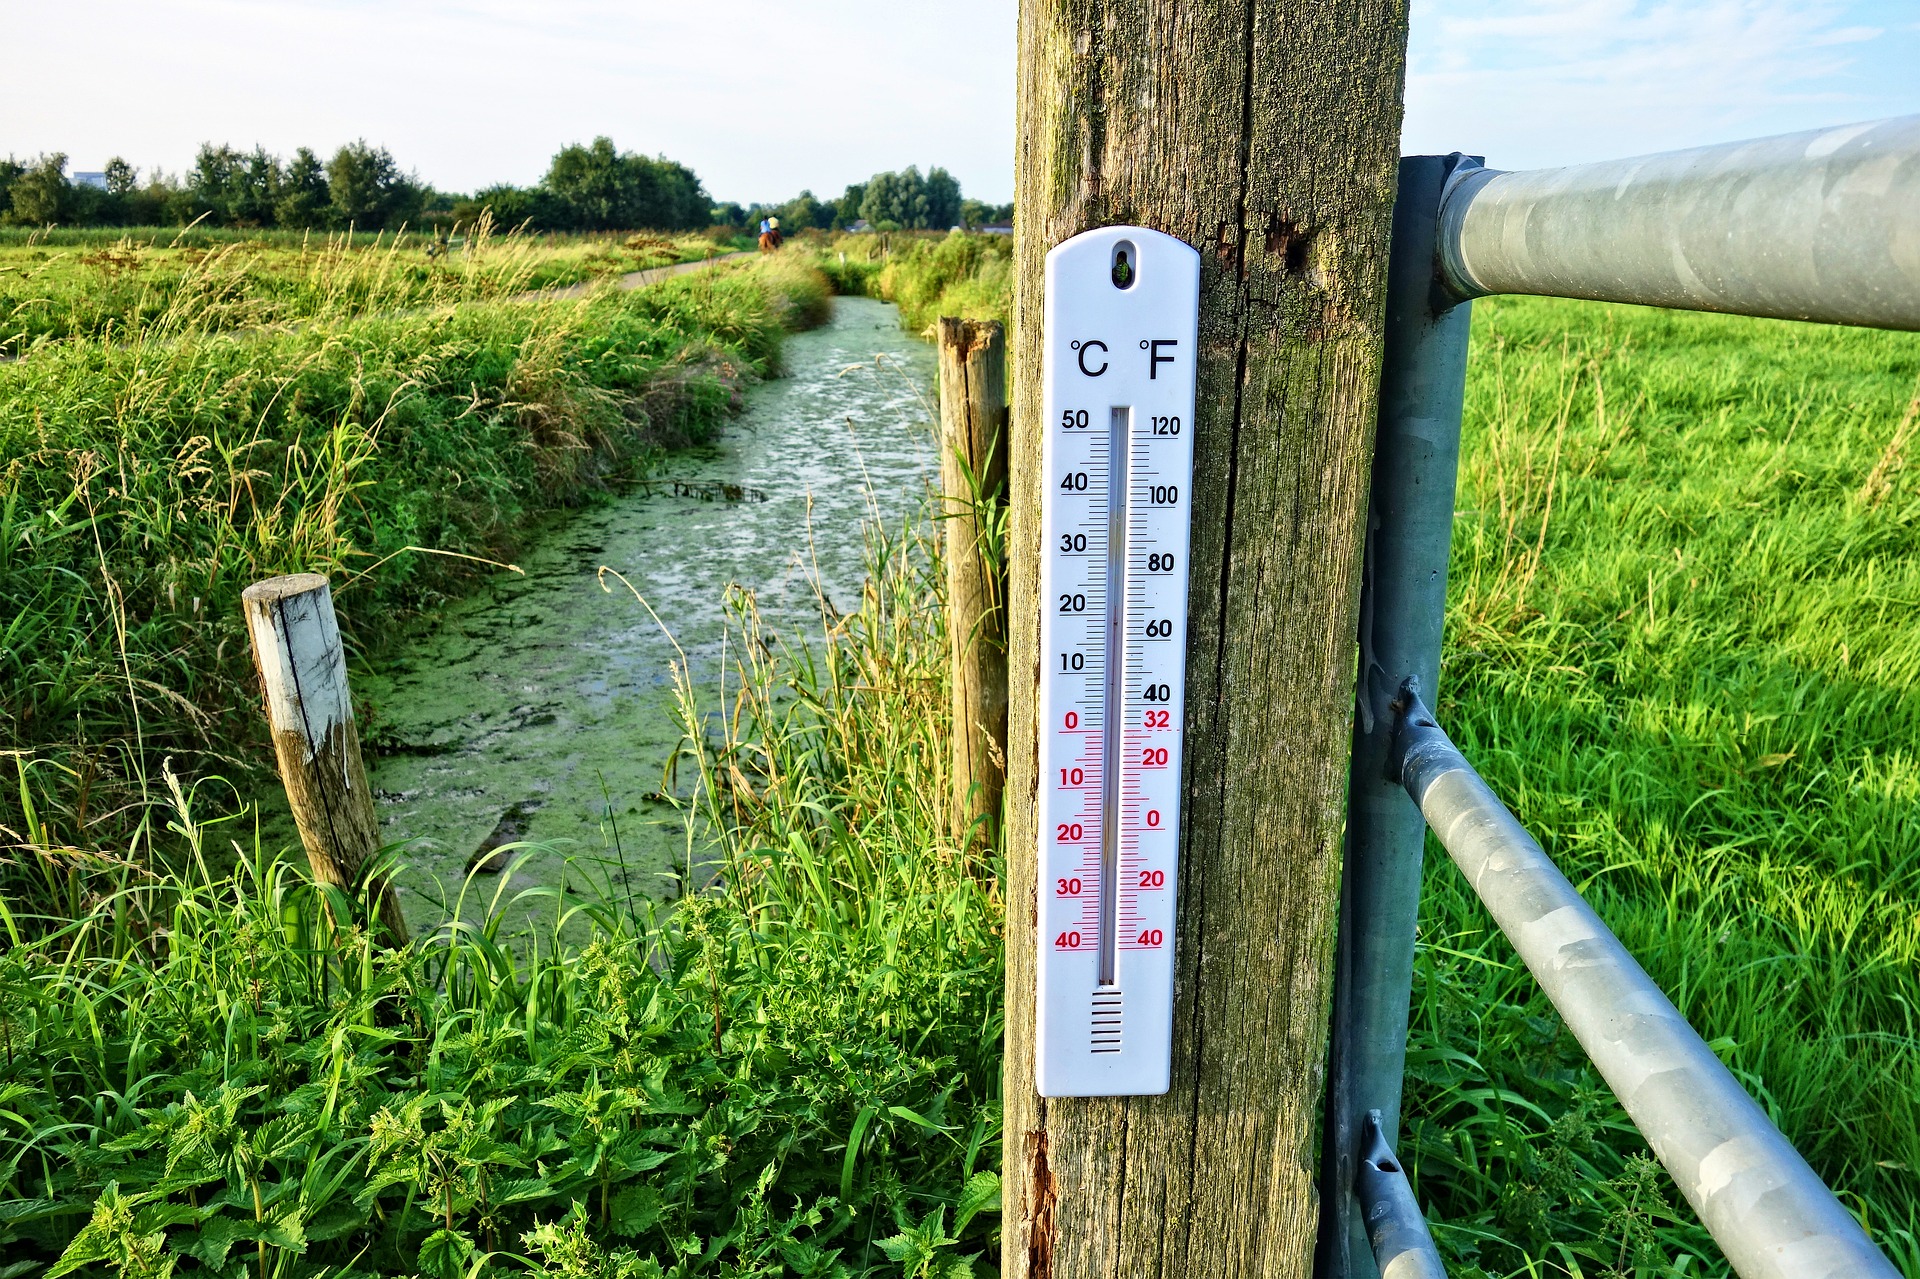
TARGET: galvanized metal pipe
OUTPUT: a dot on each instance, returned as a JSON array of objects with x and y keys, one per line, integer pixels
[
  {"x": 1396, "y": 1228},
  {"x": 1768, "y": 1211},
  {"x": 1403, "y": 598},
  {"x": 1823, "y": 225}
]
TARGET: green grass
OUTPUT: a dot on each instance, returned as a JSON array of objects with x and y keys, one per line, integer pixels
[
  {"x": 1687, "y": 556},
  {"x": 1681, "y": 645},
  {"x": 148, "y": 284},
  {"x": 793, "y": 1073}
]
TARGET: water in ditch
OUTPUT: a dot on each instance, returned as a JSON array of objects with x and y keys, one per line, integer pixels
[{"x": 541, "y": 707}]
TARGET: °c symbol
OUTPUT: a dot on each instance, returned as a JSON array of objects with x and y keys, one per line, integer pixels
[
  {"x": 1083, "y": 348},
  {"x": 1143, "y": 344}
]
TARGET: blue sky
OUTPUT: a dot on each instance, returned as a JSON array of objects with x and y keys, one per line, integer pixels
[
  {"x": 1541, "y": 82},
  {"x": 764, "y": 97}
]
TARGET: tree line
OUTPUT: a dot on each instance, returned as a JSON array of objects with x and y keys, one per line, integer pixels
[
  {"x": 360, "y": 186},
  {"x": 593, "y": 187},
  {"x": 590, "y": 187},
  {"x": 902, "y": 201}
]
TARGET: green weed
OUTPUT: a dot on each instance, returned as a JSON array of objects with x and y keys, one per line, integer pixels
[{"x": 794, "y": 1072}]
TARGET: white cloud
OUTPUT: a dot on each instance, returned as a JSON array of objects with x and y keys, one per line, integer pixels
[{"x": 1537, "y": 82}]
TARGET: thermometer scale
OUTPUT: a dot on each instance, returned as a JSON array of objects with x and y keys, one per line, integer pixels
[{"x": 1120, "y": 330}]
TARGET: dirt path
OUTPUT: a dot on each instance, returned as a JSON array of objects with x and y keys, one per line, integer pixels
[{"x": 636, "y": 279}]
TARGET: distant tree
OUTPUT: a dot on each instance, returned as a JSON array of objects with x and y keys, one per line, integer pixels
[
  {"x": 41, "y": 193},
  {"x": 683, "y": 200},
  {"x": 591, "y": 188},
  {"x": 511, "y": 207},
  {"x": 211, "y": 184},
  {"x": 897, "y": 201},
  {"x": 367, "y": 190},
  {"x": 255, "y": 189},
  {"x": 728, "y": 214},
  {"x": 304, "y": 196},
  {"x": 846, "y": 210},
  {"x": 975, "y": 214},
  {"x": 804, "y": 211},
  {"x": 122, "y": 178},
  {"x": 10, "y": 171},
  {"x": 160, "y": 202},
  {"x": 906, "y": 200},
  {"x": 598, "y": 188},
  {"x": 943, "y": 199}
]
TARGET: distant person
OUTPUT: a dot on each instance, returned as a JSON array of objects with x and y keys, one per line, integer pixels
[{"x": 769, "y": 234}]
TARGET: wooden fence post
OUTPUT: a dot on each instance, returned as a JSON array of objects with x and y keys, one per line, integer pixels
[
  {"x": 973, "y": 478},
  {"x": 1266, "y": 136},
  {"x": 303, "y": 672}
]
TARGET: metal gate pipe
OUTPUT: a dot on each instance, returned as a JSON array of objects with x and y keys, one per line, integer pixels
[
  {"x": 1768, "y": 1211},
  {"x": 1397, "y": 1229},
  {"x": 1403, "y": 598},
  {"x": 1822, "y": 225}
]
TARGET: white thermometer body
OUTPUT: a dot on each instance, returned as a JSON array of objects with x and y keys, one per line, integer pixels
[{"x": 1121, "y": 327}]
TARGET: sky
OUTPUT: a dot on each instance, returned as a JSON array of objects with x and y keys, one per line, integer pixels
[{"x": 763, "y": 98}]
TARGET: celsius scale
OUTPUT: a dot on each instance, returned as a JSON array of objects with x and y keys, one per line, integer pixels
[{"x": 1120, "y": 332}]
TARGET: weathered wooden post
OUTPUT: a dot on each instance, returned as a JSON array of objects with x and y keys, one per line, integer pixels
[
  {"x": 1265, "y": 135},
  {"x": 973, "y": 478},
  {"x": 303, "y": 672}
]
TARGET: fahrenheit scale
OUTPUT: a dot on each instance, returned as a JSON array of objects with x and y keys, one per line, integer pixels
[{"x": 1121, "y": 320}]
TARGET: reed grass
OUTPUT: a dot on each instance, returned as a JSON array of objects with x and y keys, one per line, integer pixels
[
  {"x": 794, "y": 1071},
  {"x": 961, "y": 274}
]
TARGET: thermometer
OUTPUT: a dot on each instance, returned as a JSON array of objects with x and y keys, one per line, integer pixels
[{"x": 1120, "y": 329}]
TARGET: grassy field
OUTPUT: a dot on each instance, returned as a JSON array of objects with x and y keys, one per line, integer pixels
[
  {"x": 146, "y": 482},
  {"x": 153, "y": 284},
  {"x": 1682, "y": 645},
  {"x": 1687, "y": 553}
]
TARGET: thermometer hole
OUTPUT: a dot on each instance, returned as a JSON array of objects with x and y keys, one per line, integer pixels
[{"x": 1126, "y": 264}]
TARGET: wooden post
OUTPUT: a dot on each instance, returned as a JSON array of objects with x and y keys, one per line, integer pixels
[
  {"x": 1266, "y": 136},
  {"x": 973, "y": 477},
  {"x": 303, "y": 672}
]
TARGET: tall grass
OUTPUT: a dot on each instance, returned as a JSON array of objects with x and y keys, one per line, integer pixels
[
  {"x": 148, "y": 482},
  {"x": 1681, "y": 646},
  {"x": 959, "y": 274},
  {"x": 795, "y": 1072},
  {"x": 161, "y": 285}
]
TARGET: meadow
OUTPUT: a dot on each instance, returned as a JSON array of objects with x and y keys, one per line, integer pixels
[
  {"x": 1681, "y": 646},
  {"x": 1686, "y": 558},
  {"x": 151, "y": 283}
]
